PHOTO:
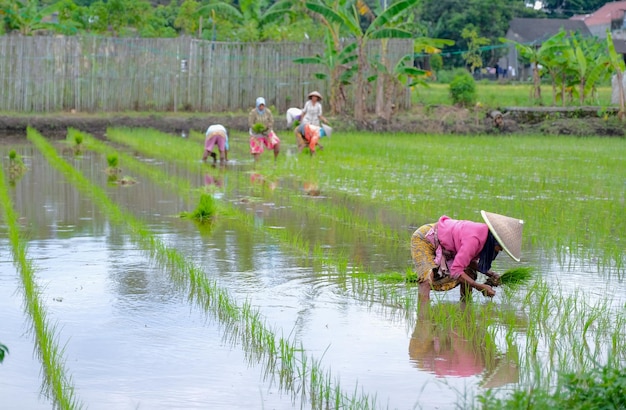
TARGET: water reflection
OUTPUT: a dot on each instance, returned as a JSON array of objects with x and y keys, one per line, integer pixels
[{"x": 458, "y": 347}]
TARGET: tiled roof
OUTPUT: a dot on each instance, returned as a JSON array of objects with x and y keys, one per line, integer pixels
[
  {"x": 527, "y": 30},
  {"x": 604, "y": 15}
]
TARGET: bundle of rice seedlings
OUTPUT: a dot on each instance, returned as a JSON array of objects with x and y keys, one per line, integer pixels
[
  {"x": 515, "y": 276},
  {"x": 258, "y": 128}
]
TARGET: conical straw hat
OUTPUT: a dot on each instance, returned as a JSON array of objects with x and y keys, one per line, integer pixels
[{"x": 507, "y": 231}]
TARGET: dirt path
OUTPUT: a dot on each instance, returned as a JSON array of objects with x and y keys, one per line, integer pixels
[{"x": 433, "y": 120}]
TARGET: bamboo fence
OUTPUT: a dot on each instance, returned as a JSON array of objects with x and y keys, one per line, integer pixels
[{"x": 108, "y": 74}]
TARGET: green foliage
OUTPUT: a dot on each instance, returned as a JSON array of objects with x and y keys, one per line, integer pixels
[
  {"x": 472, "y": 56},
  {"x": 436, "y": 62},
  {"x": 516, "y": 276},
  {"x": 601, "y": 388},
  {"x": 3, "y": 351},
  {"x": 596, "y": 389},
  {"x": 206, "y": 209},
  {"x": 463, "y": 89},
  {"x": 259, "y": 128},
  {"x": 112, "y": 160}
]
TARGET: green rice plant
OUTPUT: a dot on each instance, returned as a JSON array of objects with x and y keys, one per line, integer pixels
[
  {"x": 3, "y": 351},
  {"x": 259, "y": 128},
  {"x": 57, "y": 382},
  {"x": 204, "y": 212},
  {"x": 513, "y": 277}
]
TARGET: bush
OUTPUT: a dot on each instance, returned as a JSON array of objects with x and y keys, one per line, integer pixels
[{"x": 463, "y": 89}]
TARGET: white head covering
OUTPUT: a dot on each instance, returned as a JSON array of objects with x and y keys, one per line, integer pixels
[
  {"x": 293, "y": 114},
  {"x": 260, "y": 101}
]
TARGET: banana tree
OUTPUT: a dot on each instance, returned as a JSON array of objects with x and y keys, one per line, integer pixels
[
  {"x": 403, "y": 74},
  {"x": 588, "y": 63},
  {"x": 253, "y": 15},
  {"x": 26, "y": 17},
  {"x": 616, "y": 63},
  {"x": 348, "y": 18},
  {"x": 338, "y": 70},
  {"x": 540, "y": 56}
]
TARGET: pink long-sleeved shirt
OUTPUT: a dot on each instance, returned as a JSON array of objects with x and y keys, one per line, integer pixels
[{"x": 464, "y": 238}]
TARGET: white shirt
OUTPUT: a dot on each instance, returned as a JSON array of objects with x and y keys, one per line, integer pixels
[
  {"x": 312, "y": 113},
  {"x": 218, "y": 129},
  {"x": 293, "y": 114}
]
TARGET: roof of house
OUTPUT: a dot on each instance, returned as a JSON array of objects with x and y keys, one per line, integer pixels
[
  {"x": 528, "y": 30},
  {"x": 604, "y": 15}
]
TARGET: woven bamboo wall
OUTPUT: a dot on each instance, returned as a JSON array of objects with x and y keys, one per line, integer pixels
[{"x": 92, "y": 74}]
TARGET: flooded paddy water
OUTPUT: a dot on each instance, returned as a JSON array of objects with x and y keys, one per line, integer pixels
[{"x": 299, "y": 268}]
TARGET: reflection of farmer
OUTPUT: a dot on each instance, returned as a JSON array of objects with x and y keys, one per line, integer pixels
[
  {"x": 450, "y": 252},
  {"x": 458, "y": 349},
  {"x": 264, "y": 138},
  {"x": 216, "y": 135}
]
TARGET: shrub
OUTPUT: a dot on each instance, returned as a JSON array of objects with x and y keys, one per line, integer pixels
[{"x": 463, "y": 89}]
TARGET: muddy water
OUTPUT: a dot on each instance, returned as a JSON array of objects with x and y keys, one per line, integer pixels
[{"x": 133, "y": 340}]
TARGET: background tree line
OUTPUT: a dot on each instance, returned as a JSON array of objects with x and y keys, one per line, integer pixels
[{"x": 264, "y": 20}]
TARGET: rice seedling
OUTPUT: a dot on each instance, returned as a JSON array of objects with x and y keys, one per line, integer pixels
[
  {"x": 204, "y": 212},
  {"x": 259, "y": 128},
  {"x": 513, "y": 277},
  {"x": 3, "y": 352},
  {"x": 57, "y": 381}
]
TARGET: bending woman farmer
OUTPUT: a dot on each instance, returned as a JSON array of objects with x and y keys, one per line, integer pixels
[{"x": 449, "y": 252}]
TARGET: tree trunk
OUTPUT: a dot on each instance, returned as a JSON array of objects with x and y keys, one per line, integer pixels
[
  {"x": 359, "y": 92},
  {"x": 620, "y": 89},
  {"x": 381, "y": 80}
]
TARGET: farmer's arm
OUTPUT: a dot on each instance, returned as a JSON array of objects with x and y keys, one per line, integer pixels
[
  {"x": 270, "y": 120},
  {"x": 463, "y": 259},
  {"x": 487, "y": 290}
]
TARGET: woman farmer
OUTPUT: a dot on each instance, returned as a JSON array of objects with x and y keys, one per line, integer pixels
[
  {"x": 312, "y": 111},
  {"x": 216, "y": 134},
  {"x": 265, "y": 137},
  {"x": 310, "y": 129},
  {"x": 449, "y": 252}
]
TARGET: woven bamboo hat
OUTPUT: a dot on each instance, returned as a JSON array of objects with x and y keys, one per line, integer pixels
[
  {"x": 315, "y": 94},
  {"x": 507, "y": 231}
]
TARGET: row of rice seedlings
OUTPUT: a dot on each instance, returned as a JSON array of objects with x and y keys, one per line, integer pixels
[
  {"x": 242, "y": 323},
  {"x": 57, "y": 382}
]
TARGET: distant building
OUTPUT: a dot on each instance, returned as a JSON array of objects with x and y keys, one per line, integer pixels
[
  {"x": 531, "y": 31},
  {"x": 608, "y": 17}
]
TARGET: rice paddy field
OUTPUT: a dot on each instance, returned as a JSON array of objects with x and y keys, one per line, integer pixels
[{"x": 296, "y": 290}]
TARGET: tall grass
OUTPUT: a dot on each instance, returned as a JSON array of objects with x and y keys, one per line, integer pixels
[{"x": 497, "y": 95}]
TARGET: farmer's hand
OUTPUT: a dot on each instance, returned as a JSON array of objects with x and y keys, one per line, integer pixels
[
  {"x": 488, "y": 291},
  {"x": 494, "y": 279}
]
